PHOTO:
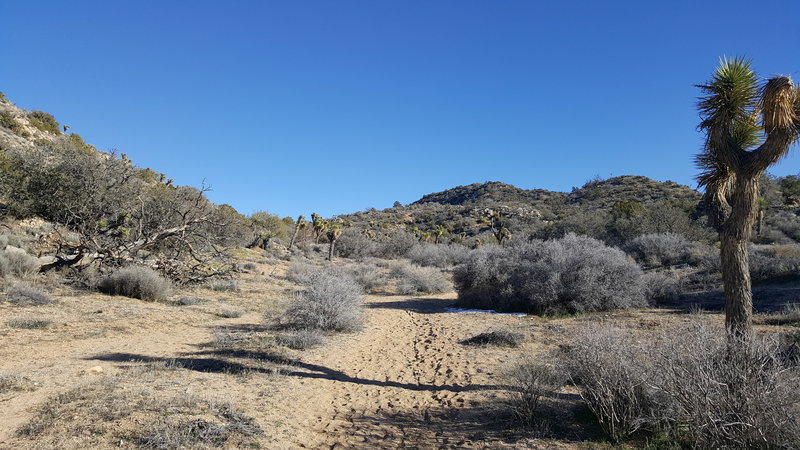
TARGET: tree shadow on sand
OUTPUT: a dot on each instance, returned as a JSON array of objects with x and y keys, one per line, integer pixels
[{"x": 214, "y": 361}]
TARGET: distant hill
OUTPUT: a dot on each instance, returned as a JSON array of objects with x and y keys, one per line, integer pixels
[
  {"x": 492, "y": 193},
  {"x": 462, "y": 208}
]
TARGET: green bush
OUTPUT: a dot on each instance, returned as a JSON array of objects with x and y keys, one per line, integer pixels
[{"x": 44, "y": 122}]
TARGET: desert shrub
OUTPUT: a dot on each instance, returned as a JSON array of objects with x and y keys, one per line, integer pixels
[
  {"x": 230, "y": 313},
  {"x": 438, "y": 255},
  {"x": 783, "y": 225},
  {"x": 24, "y": 295},
  {"x": 220, "y": 285},
  {"x": 302, "y": 339},
  {"x": 691, "y": 385},
  {"x": 354, "y": 244},
  {"x": 10, "y": 383},
  {"x": 44, "y": 122},
  {"x": 249, "y": 267},
  {"x": 329, "y": 301},
  {"x": 774, "y": 262},
  {"x": 16, "y": 262},
  {"x": 136, "y": 282},
  {"x": 412, "y": 279},
  {"x": 661, "y": 285},
  {"x": 573, "y": 274},
  {"x": 188, "y": 300},
  {"x": 367, "y": 275},
  {"x": 665, "y": 249},
  {"x": 790, "y": 315},
  {"x": 29, "y": 324},
  {"x": 300, "y": 273},
  {"x": 499, "y": 338},
  {"x": 7, "y": 120},
  {"x": 608, "y": 366},
  {"x": 531, "y": 380},
  {"x": 396, "y": 245}
]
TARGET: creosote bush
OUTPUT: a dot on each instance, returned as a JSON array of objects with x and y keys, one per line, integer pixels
[
  {"x": 24, "y": 295},
  {"x": 329, "y": 301},
  {"x": 574, "y": 274},
  {"x": 136, "y": 282},
  {"x": 689, "y": 385}
]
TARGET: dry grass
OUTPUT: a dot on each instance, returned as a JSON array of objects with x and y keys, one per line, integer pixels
[
  {"x": 29, "y": 324},
  {"x": 138, "y": 409}
]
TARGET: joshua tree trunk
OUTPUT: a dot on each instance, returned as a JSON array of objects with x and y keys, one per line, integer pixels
[
  {"x": 330, "y": 249},
  {"x": 735, "y": 262}
]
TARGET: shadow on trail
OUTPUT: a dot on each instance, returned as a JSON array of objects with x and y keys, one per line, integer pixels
[
  {"x": 212, "y": 361},
  {"x": 767, "y": 298},
  {"x": 481, "y": 425},
  {"x": 416, "y": 305}
]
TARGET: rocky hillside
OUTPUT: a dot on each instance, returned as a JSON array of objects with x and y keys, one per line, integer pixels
[{"x": 462, "y": 210}]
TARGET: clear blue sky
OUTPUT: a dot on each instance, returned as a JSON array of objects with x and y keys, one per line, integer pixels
[{"x": 336, "y": 106}]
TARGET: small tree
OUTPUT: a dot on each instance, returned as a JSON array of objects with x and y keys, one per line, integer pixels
[{"x": 748, "y": 128}]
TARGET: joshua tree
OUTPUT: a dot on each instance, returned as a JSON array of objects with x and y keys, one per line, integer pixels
[
  {"x": 319, "y": 225},
  {"x": 494, "y": 220},
  {"x": 333, "y": 230},
  {"x": 748, "y": 128},
  {"x": 299, "y": 225},
  {"x": 438, "y": 232}
]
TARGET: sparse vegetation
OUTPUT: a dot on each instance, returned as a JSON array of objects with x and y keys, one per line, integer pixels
[
  {"x": 223, "y": 285},
  {"x": 230, "y": 313},
  {"x": 136, "y": 282},
  {"x": 29, "y": 324},
  {"x": 173, "y": 420},
  {"x": 499, "y": 338},
  {"x": 302, "y": 339},
  {"x": 21, "y": 294}
]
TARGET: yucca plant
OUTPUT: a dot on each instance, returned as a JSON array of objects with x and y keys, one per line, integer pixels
[{"x": 748, "y": 126}]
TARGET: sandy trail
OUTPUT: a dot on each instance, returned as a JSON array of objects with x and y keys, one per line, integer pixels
[{"x": 404, "y": 382}]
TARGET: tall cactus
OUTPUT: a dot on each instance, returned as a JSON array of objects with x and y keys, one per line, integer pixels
[{"x": 748, "y": 128}]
